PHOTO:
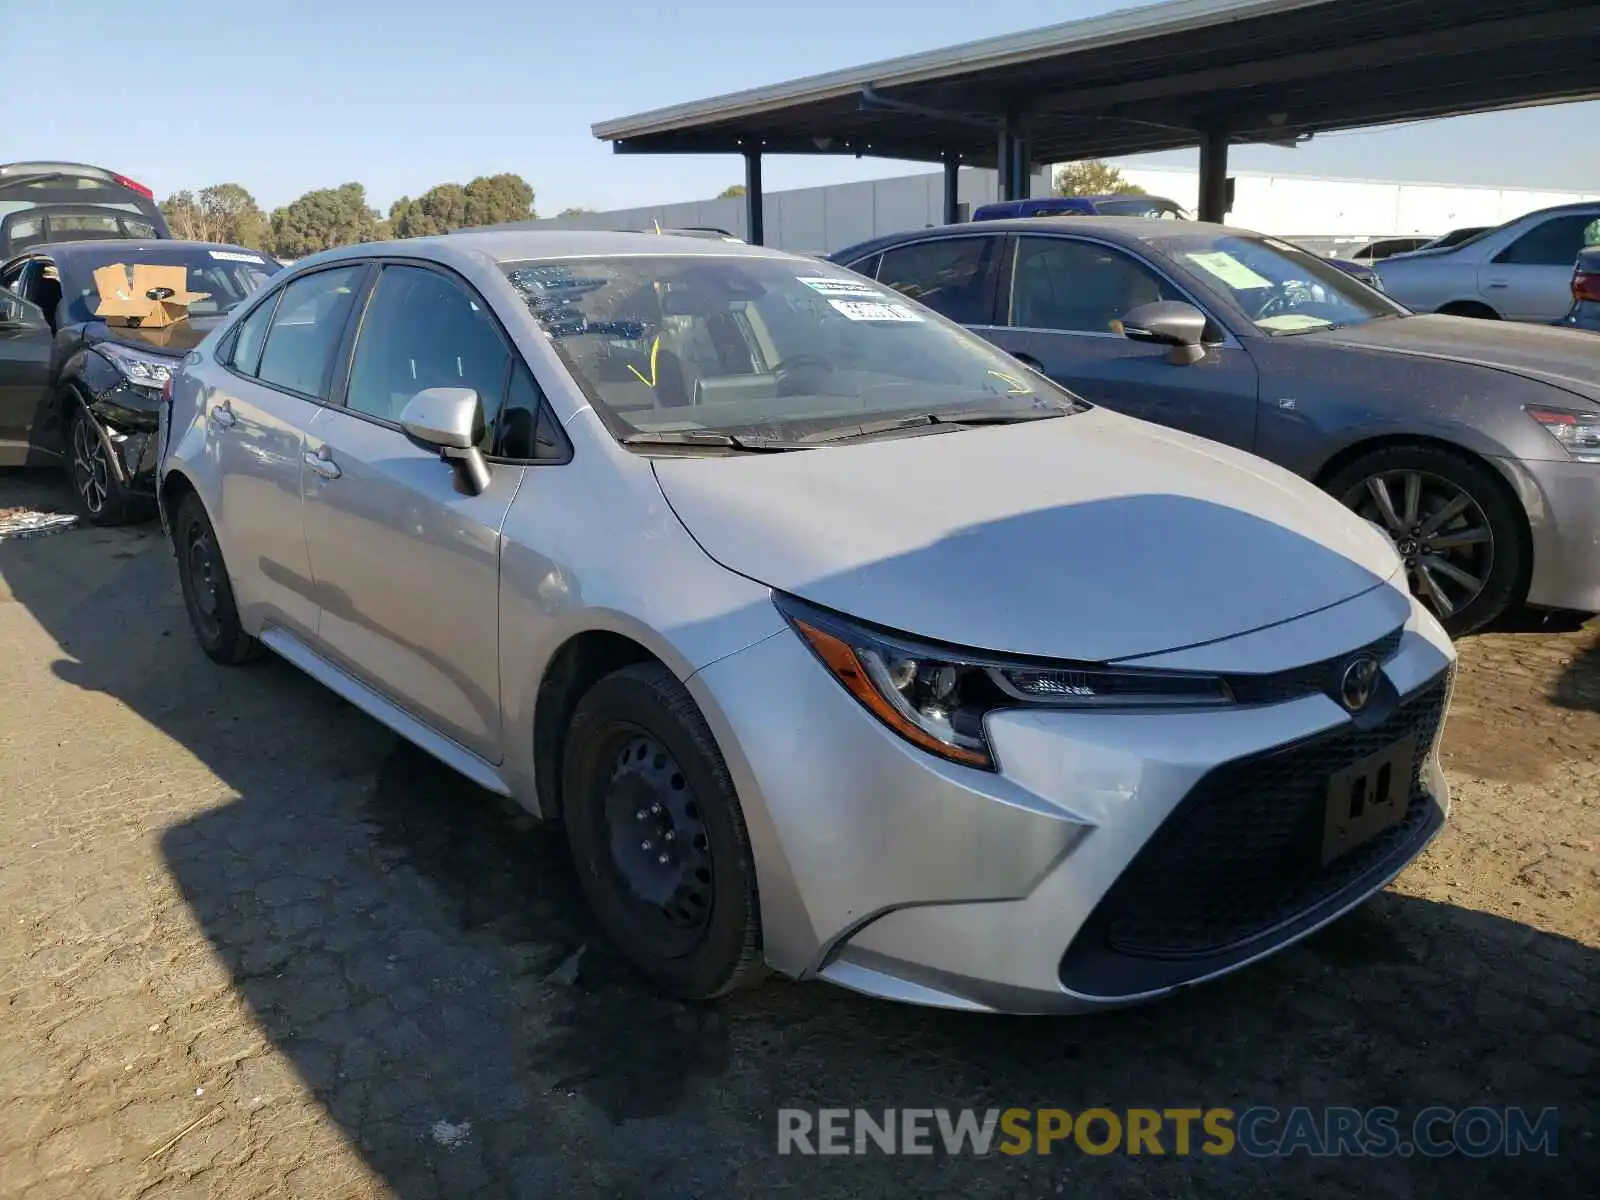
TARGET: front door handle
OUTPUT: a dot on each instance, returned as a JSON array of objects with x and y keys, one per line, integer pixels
[
  {"x": 322, "y": 463},
  {"x": 222, "y": 416},
  {"x": 1497, "y": 283}
]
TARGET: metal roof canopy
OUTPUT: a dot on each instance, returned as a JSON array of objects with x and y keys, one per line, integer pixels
[{"x": 1190, "y": 72}]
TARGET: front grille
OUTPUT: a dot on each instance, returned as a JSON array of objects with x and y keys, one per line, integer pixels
[
  {"x": 1323, "y": 677},
  {"x": 1238, "y": 867}
]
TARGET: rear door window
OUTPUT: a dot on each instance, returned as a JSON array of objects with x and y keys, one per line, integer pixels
[
  {"x": 953, "y": 276},
  {"x": 1555, "y": 243},
  {"x": 307, "y": 330}
]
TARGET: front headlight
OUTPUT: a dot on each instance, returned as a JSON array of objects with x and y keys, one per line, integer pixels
[
  {"x": 146, "y": 370},
  {"x": 937, "y": 697},
  {"x": 1578, "y": 432}
]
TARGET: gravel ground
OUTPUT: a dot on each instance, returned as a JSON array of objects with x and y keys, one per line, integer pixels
[{"x": 250, "y": 945}]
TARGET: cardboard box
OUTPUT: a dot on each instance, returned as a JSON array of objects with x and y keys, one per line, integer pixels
[{"x": 151, "y": 298}]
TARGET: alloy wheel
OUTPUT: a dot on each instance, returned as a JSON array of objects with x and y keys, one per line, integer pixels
[
  {"x": 659, "y": 849},
  {"x": 1439, "y": 530},
  {"x": 91, "y": 470}
]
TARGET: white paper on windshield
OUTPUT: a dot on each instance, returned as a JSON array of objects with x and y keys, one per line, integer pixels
[
  {"x": 235, "y": 256},
  {"x": 1229, "y": 269},
  {"x": 1292, "y": 321},
  {"x": 876, "y": 310},
  {"x": 827, "y": 285}
]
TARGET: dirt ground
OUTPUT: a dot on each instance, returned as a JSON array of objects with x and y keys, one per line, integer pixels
[{"x": 250, "y": 946}]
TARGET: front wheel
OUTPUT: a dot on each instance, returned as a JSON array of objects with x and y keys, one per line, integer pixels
[
  {"x": 658, "y": 836},
  {"x": 1452, "y": 521},
  {"x": 99, "y": 489}
]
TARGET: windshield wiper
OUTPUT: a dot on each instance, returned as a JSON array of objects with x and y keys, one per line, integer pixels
[
  {"x": 710, "y": 439},
  {"x": 978, "y": 416}
]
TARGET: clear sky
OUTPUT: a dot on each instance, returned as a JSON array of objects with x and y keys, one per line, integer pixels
[{"x": 287, "y": 95}]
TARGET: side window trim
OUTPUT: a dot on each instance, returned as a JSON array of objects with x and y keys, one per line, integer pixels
[{"x": 1009, "y": 265}]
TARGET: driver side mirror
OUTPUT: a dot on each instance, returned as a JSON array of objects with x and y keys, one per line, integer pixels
[
  {"x": 450, "y": 420},
  {"x": 1169, "y": 323},
  {"x": 17, "y": 313}
]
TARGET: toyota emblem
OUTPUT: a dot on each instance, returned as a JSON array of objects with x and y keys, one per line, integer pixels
[{"x": 1359, "y": 682}]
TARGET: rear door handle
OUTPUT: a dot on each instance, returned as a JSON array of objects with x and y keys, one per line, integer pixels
[
  {"x": 322, "y": 464},
  {"x": 1497, "y": 283},
  {"x": 222, "y": 417}
]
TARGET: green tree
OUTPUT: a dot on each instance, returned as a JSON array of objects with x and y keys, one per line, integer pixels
[
  {"x": 487, "y": 200},
  {"x": 1093, "y": 177},
  {"x": 323, "y": 219},
  {"x": 576, "y": 210},
  {"x": 223, "y": 212},
  {"x": 731, "y": 192}
]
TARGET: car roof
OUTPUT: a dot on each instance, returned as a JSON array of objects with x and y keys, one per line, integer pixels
[
  {"x": 130, "y": 247},
  {"x": 127, "y": 245},
  {"x": 516, "y": 245},
  {"x": 1108, "y": 228}
]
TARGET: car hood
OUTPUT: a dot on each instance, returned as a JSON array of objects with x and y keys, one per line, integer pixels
[
  {"x": 1091, "y": 537},
  {"x": 176, "y": 339},
  {"x": 1563, "y": 358}
]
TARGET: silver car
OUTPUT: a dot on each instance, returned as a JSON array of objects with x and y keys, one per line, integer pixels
[
  {"x": 1519, "y": 271},
  {"x": 842, "y": 645}
]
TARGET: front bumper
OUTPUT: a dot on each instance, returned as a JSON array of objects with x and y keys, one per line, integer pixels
[
  {"x": 1562, "y": 500},
  {"x": 1079, "y": 876}
]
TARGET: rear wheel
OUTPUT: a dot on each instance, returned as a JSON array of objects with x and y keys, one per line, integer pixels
[
  {"x": 658, "y": 836},
  {"x": 207, "y": 593},
  {"x": 1452, "y": 521}
]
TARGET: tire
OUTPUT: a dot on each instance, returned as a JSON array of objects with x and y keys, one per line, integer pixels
[
  {"x": 207, "y": 592},
  {"x": 93, "y": 476},
  {"x": 1469, "y": 308},
  {"x": 1500, "y": 562},
  {"x": 691, "y": 926}
]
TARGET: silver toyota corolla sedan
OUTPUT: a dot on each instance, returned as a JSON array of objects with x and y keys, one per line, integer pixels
[{"x": 843, "y": 645}]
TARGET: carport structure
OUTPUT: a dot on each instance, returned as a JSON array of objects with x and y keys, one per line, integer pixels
[{"x": 1206, "y": 73}]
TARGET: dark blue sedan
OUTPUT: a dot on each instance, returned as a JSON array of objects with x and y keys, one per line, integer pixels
[{"x": 1474, "y": 445}]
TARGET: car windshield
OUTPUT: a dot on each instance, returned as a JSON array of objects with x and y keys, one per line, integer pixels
[
  {"x": 1281, "y": 288},
  {"x": 749, "y": 346},
  {"x": 226, "y": 275}
]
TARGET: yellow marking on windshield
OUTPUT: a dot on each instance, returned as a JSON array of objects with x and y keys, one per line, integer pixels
[
  {"x": 655, "y": 348},
  {"x": 1018, "y": 388}
]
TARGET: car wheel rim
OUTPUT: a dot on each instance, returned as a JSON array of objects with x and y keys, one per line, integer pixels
[
  {"x": 203, "y": 575},
  {"x": 1439, "y": 530},
  {"x": 659, "y": 848},
  {"x": 91, "y": 473}
]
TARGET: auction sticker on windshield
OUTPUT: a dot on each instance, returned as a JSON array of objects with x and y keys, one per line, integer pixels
[
  {"x": 827, "y": 285},
  {"x": 235, "y": 256},
  {"x": 1229, "y": 269},
  {"x": 875, "y": 310},
  {"x": 1287, "y": 321}
]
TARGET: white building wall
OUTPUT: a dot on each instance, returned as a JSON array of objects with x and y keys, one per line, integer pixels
[{"x": 1326, "y": 214}]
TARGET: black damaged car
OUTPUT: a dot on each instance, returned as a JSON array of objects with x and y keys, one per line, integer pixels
[{"x": 78, "y": 392}]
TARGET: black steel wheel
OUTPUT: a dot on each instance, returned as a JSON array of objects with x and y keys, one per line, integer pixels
[
  {"x": 1453, "y": 523},
  {"x": 207, "y": 592},
  {"x": 658, "y": 836}
]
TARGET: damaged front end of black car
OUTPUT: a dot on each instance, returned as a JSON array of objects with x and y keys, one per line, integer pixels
[{"x": 110, "y": 432}]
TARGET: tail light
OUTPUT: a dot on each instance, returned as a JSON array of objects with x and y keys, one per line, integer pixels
[
  {"x": 1586, "y": 286},
  {"x": 166, "y": 391},
  {"x": 132, "y": 185}
]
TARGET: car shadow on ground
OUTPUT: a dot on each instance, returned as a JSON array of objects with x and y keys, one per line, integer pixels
[
  {"x": 419, "y": 952},
  {"x": 1579, "y": 685}
]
